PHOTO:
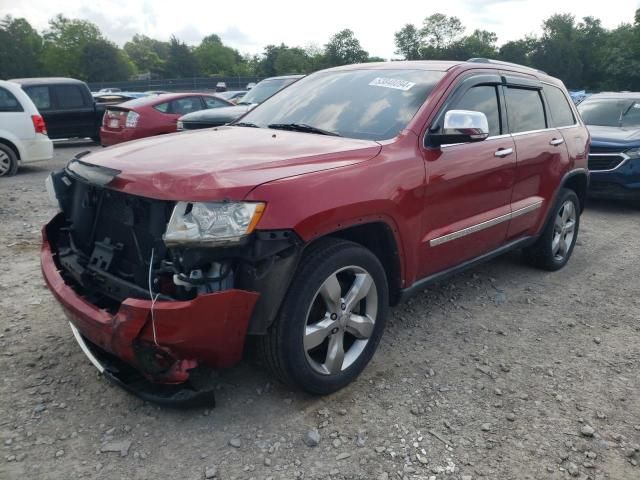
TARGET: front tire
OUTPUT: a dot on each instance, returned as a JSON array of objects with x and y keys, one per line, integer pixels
[
  {"x": 555, "y": 245},
  {"x": 331, "y": 320},
  {"x": 8, "y": 161}
]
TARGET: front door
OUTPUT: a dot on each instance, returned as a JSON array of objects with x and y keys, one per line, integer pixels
[{"x": 469, "y": 186}]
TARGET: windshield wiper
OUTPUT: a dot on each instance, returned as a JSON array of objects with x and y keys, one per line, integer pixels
[
  {"x": 624, "y": 113},
  {"x": 302, "y": 127},
  {"x": 245, "y": 124}
]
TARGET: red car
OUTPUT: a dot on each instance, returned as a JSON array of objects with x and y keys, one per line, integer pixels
[
  {"x": 153, "y": 115},
  {"x": 302, "y": 223}
]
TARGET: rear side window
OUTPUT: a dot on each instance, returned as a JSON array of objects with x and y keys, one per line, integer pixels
[
  {"x": 162, "y": 107},
  {"x": 69, "y": 96},
  {"x": 8, "y": 102},
  {"x": 524, "y": 110},
  {"x": 182, "y": 106},
  {"x": 483, "y": 99},
  {"x": 561, "y": 113},
  {"x": 212, "y": 102},
  {"x": 40, "y": 96}
]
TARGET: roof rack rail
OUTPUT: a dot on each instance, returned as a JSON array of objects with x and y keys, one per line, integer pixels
[{"x": 500, "y": 62}]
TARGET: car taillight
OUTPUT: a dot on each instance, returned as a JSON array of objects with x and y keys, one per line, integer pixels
[
  {"x": 132, "y": 119},
  {"x": 38, "y": 124}
]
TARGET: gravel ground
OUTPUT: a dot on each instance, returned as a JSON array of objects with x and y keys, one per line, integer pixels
[{"x": 503, "y": 372}]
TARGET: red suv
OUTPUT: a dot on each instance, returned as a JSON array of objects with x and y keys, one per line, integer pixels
[{"x": 302, "y": 223}]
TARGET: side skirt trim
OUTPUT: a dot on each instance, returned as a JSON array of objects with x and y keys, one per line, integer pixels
[
  {"x": 481, "y": 226},
  {"x": 436, "y": 277}
]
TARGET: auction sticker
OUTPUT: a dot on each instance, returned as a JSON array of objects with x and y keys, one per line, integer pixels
[{"x": 392, "y": 83}]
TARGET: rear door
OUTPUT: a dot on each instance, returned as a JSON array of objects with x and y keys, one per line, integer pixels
[
  {"x": 75, "y": 112},
  {"x": 13, "y": 117},
  {"x": 42, "y": 98},
  {"x": 541, "y": 153},
  {"x": 177, "y": 108},
  {"x": 467, "y": 202}
]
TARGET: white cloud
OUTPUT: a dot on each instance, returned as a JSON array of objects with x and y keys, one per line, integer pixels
[{"x": 252, "y": 24}]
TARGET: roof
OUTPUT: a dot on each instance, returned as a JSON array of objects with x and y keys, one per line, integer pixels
[
  {"x": 47, "y": 81},
  {"x": 283, "y": 77},
  {"x": 444, "y": 66},
  {"x": 614, "y": 95}
]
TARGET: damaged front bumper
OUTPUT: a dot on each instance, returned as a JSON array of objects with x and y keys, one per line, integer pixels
[{"x": 166, "y": 341}]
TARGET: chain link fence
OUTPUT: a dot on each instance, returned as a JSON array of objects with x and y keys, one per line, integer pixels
[{"x": 178, "y": 84}]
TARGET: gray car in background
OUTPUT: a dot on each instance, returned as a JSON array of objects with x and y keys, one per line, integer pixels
[{"x": 221, "y": 116}]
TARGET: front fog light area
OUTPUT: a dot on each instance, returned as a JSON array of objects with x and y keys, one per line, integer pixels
[{"x": 212, "y": 224}]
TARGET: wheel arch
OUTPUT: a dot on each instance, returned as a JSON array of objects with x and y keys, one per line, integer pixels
[
  {"x": 5, "y": 141},
  {"x": 578, "y": 181},
  {"x": 380, "y": 239}
]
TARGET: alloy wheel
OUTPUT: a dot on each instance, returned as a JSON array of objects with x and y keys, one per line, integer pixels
[
  {"x": 5, "y": 163},
  {"x": 564, "y": 230},
  {"x": 340, "y": 320}
]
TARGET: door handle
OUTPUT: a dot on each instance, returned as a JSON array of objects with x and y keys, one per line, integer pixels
[
  {"x": 556, "y": 141},
  {"x": 503, "y": 152}
]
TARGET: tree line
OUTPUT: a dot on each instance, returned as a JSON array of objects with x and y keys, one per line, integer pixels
[{"x": 582, "y": 52}]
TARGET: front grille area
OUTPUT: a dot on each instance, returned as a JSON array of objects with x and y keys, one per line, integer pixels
[
  {"x": 604, "y": 162},
  {"x": 106, "y": 243}
]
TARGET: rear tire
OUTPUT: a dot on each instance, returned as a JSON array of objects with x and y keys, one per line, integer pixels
[
  {"x": 331, "y": 320},
  {"x": 8, "y": 161},
  {"x": 555, "y": 245}
]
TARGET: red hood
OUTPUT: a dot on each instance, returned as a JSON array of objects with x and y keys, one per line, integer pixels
[{"x": 227, "y": 162}]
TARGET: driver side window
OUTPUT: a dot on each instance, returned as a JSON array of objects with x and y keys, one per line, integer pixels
[{"x": 483, "y": 98}]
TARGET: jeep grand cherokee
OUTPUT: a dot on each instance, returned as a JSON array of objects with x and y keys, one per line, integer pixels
[{"x": 300, "y": 225}]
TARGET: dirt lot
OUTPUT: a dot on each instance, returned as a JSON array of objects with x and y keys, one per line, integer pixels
[{"x": 503, "y": 372}]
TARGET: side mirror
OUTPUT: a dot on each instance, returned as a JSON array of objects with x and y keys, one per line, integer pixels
[{"x": 461, "y": 126}]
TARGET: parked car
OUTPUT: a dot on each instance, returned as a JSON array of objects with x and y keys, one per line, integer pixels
[
  {"x": 614, "y": 159},
  {"x": 341, "y": 195},
  {"x": 67, "y": 106},
  {"x": 221, "y": 87},
  {"x": 109, "y": 90},
  {"x": 23, "y": 132},
  {"x": 152, "y": 115},
  {"x": 116, "y": 98},
  {"x": 233, "y": 96},
  {"x": 222, "y": 116}
]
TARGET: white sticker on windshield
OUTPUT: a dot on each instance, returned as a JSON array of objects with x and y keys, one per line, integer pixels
[
  {"x": 636, "y": 105},
  {"x": 392, "y": 83}
]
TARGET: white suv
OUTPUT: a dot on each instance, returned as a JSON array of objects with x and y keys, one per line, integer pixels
[{"x": 23, "y": 133}]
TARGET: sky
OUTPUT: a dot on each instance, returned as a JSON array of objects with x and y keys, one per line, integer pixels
[{"x": 249, "y": 25}]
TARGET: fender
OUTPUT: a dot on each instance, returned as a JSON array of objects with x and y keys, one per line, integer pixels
[
  {"x": 11, "y": 140},
  {"x": 565, "y": 179}
]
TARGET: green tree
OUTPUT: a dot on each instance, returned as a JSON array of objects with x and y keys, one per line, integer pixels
[
  {"x": 518, "y": 51},
  {"x": 214, "y": 58},
  {"x": 344, "y": 48},
  {"x": 181, "y": 61},
  {"x": 20, "y": 48},
  {"x": 408, "y": 40},
  {"x": 481, "y": 43},
  {"x": 103, "y": 61},
  {"x": 147, "y": 54},
  {"x": 439, "y": 31},
  {"x": 64, "y": 45},
  {"x": 558, "y": 52}
]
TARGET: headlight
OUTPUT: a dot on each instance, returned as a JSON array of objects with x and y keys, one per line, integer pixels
[
  {"x": 179, "y": 125},
  {"x": 51, "y": 192},
  {"x": 633, "y": 152},
  {"x": 212, "y": 224}
]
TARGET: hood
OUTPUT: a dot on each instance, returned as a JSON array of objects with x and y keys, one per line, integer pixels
[
  {"x": 216, "y": 116},
  {"x": 625, "y": 137},
  {"x": 223, "y": 163}
]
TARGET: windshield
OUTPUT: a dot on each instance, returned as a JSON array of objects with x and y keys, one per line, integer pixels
[
  {"x": 364, "y": 104},
  {"x": 264, "y": 90},
  {"x": 611, "y": 112}
]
